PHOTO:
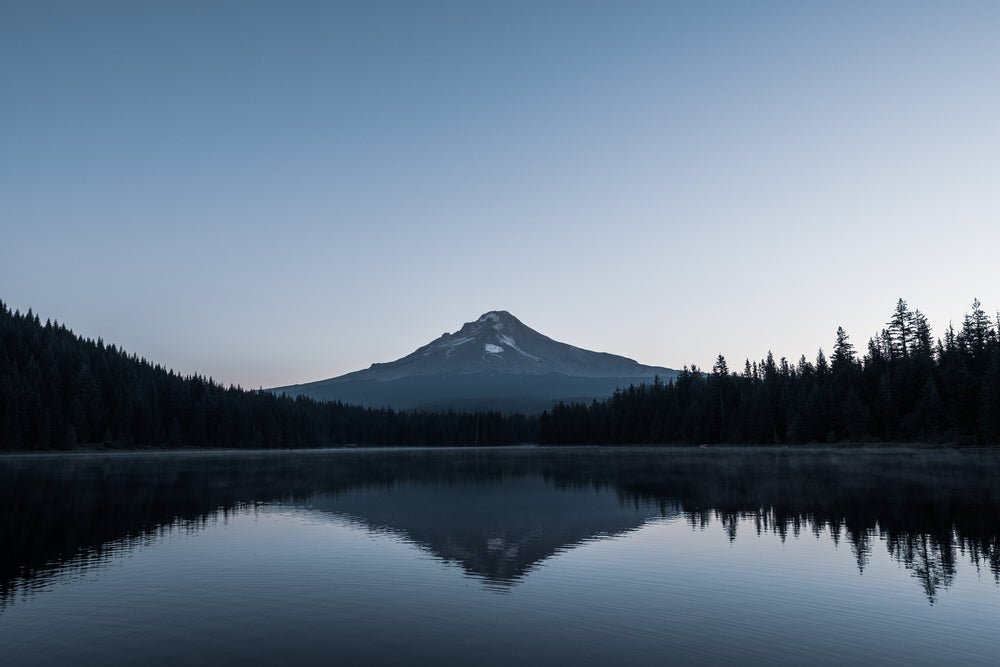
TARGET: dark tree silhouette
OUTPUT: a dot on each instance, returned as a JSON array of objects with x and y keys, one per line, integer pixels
[
  {"x": 59, "y": 391},
  {"x": 904, "y": 388}
]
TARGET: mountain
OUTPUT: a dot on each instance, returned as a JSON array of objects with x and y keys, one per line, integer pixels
[
  {"x": 499, "y": 531},
  {"x": 495, "y": 362}
]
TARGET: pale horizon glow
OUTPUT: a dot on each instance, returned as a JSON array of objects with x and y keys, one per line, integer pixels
[{"x": 271, "y": 194}]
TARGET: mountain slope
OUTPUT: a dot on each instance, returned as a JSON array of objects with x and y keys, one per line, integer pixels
[{"x": 495, "y": 362}]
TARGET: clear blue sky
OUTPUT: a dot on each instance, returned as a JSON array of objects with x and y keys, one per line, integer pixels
[{"x": 278, "y": 192}]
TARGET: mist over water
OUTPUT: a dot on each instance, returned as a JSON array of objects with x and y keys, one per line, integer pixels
[{"x": 539, "y": 555}]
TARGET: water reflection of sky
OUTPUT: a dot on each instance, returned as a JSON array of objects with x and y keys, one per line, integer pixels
[
  {"x": 254, "y": 560},
  {"x": 280, "y": 580}
]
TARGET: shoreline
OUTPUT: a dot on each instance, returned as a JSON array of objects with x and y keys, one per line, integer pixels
[{"x": 814, "y": 447}]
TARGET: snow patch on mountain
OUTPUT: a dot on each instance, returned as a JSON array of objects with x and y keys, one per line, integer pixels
[
  {"x": 493, "y": 361},
  {"x": 509, "y": 342},
  {"x": 460, "y": 341},
  {"x": 448, "y": 343}
]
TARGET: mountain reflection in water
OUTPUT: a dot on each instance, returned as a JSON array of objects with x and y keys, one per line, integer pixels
[
  {"x": 496, "y": 530},
  {"x": 499, "y": 513}
]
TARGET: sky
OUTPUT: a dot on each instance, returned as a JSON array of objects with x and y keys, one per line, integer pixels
[{"x": 271, "y": 193}]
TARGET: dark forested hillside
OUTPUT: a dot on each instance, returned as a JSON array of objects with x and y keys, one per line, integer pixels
[
  {"x": 60, "y": 391},
  {"x": 904, "y": 387}
]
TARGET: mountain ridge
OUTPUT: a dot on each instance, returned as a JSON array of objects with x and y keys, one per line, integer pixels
[{"x": 495, "y": 362}]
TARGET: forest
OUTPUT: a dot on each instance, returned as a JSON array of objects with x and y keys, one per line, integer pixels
[
  {"x": 905, "y": 387},
  {"x": 59, "y": 391}
]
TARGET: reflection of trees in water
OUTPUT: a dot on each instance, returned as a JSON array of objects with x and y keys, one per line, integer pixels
[
  {"x": 932, "y": 559},
  {"x": 932, "y": 562},
  {"x": 81, "y": 561},
  {"x": 931, "y": 508},
  {"x": 861, "y": 545}
]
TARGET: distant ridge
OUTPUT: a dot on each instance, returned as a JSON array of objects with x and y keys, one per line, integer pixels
[{"x": 495, "y": 362}]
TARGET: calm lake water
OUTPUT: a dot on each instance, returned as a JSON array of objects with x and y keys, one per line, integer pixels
[{"x": 502, "y": 557}]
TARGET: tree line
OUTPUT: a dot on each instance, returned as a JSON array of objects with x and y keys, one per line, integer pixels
[
  {"x": 904, "y": 387},
  {"x": 59, "y": 391}
]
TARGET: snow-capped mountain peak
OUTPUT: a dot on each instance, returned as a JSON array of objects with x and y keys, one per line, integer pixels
[{"x": 495, "y": 356}]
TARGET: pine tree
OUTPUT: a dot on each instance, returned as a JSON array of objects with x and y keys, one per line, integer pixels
[
  {"x": 922, "y": 343},
  {"x": 901, "y": 330},
  {"x": 720, "y": 368},
  {"x": 976, "y": 332},
  {"x": 843, "y": 352}
]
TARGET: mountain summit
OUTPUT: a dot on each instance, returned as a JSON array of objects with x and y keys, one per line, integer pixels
[
  {"x": 495, "y": 362},
  {"x": 498, "y": 342}
]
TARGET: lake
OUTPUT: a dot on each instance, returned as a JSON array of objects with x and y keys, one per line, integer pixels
[{"x": 502, "y": 556}]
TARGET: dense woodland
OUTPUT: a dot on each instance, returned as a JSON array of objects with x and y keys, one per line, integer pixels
[
  {"x": 904, "y": 387},
  {"x": 59, "y": 391}
]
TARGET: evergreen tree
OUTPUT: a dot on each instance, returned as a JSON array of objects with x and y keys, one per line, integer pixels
[
  {"x": 922, "y": 343},
  {"x": 843, "y": 353},
  {"x": 976, "y": 333},
  {"x": 901, "y": 330},
  {"x": 61, "y": 391}
]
